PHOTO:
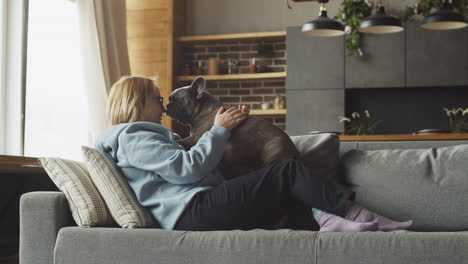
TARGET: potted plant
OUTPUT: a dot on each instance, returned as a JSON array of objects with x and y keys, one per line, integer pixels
[
  {"x": 360, "y": 124},
  {"x": 457, "y": 122}
]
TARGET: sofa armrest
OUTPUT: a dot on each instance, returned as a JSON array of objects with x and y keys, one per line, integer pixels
[{"x": 42, "y": 215}]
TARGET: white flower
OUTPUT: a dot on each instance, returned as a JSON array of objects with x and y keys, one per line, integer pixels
[
  {"x": 355, "y": 115},
  {"x": 347, "y": 29},
  {"x": 448, "y": 112},
  {"x": 344, "y": 119},
  {"x": 367, "y": 113},
  {"x": 465, "y": 112},
  {"x": 459, "y": 110},
  {"x": 452, "y": 112},
  {"x": 359, "y": 51}
]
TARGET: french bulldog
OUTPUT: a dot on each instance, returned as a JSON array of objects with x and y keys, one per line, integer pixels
[{"x": 253, "y": 144}]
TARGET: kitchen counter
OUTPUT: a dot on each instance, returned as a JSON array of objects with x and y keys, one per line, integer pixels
[{"x": 405, "y": 137}]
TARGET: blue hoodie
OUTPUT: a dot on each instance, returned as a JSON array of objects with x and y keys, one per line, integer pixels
[{"x": 163, "y": 175}]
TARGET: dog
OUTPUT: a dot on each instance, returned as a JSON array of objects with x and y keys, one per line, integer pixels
[{"x": 254, "y": 144}]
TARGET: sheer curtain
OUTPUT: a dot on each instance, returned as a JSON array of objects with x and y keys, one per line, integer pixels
[{"x": 103, "y": 34}]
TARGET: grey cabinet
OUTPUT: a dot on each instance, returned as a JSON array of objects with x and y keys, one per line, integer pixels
[
  {"x": 310, "y": 110},
  {"x": 314, "y": 62},
  {"x": 436, "y": 57},
  {"x": 382, "y": 65}
]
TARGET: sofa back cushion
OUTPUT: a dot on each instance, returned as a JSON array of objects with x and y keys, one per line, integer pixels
[
  {"x": 320, "y": 152},
  {"x": 429, "y": 186}
]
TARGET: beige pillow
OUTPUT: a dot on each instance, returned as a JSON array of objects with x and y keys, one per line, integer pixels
[
  {"x": 122, "y": 203},
  {"x": 86, "y": 204}
]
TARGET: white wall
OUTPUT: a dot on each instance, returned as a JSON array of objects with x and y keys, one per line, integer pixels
[{"x": 238, "y": 16}]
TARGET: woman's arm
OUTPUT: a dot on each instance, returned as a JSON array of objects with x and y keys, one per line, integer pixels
[{"x": 148, "y": 150}]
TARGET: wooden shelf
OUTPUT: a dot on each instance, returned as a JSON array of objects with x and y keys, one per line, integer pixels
[
  {"x": 244, "y": 76},
  {"x": 405, "y": 137},
  {"x": 274, "y": 35},
  {"x": 258, "y": 112}
]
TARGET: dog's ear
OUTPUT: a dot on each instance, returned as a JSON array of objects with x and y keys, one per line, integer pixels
[{"x": 198, "y": 86}]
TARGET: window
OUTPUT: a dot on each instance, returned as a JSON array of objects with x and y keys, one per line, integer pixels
[{"x": 56, "y": 110}]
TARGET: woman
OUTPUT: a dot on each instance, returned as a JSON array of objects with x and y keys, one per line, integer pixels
[{"x": 184, "y": 190}]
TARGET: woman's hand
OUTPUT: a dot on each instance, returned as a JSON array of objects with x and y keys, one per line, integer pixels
[{"x": 231, "y": 117}]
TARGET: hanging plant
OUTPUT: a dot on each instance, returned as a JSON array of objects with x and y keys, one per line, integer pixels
[
  {"x": 425, "y": 7},
  {"x": 351, "y": 12}
]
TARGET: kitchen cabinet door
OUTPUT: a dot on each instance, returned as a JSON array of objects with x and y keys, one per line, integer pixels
[
  {"x": 436, "y": 57},
  {"x": 311, "y": 110},
  {"x": 382, "y": 63},
  {"x": 314, "y": 62}
]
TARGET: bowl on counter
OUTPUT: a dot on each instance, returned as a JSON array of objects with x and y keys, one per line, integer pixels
[
  {"x": 325, "y": 132},
  {"x": 433, "y": 131}
]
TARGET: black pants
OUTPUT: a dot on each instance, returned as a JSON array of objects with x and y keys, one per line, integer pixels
[{"x": 260, "y": 198}]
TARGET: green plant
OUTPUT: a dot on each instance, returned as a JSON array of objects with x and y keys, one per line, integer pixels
[
  {"x": 425, "y": 7},
  {"x": 352, "y": 12},
  {"x": 457, "y": 122},
  {"x": 360, "y": 125}
]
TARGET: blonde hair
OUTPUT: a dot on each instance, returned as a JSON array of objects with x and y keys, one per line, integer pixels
[{"x": 128, "y": 97}]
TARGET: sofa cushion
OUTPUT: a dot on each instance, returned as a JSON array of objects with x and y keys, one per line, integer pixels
[
  {"x": 392, "y": 247},
  {"x": 428, "y": 186},
  {"x": 320, "y": 152},
  {"x": 115, "y": 246},
  {"x": 72, "y": 178},
  {"x": 122, "y": 203}
]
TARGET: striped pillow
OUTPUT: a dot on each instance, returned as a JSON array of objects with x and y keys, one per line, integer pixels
[
  {"x": 122, "y": 203},
  {"x": 72, "y": 178}
]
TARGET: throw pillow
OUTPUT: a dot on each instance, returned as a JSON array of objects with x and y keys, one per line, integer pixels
[
  {"x": 86, "y": 204},
  {"x": 119, "y": 197},
  {"x": 319, "y": 152},
  {"x": 428, "y": 186}
]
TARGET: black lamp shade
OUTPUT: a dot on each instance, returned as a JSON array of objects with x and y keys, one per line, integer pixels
[
  {"x": 380, "y": 23},
  {"x": 444, "y": 19},
  {"x": 323, "y": 27}
]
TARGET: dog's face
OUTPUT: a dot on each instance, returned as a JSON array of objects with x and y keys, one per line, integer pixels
[{"x": 184, "y": 101}]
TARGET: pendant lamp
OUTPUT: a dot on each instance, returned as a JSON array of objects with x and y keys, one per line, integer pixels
[
  {"x": 380, "y": 23},
  {"x": 323, "y": 26},
  {"x": 445, "y": 18}
]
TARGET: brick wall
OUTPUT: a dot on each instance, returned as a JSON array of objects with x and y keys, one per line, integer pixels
[{"x": 241, "y": 92}]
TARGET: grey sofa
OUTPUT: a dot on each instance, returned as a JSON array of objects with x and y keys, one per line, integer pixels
[{"x": 48, "y": 234}]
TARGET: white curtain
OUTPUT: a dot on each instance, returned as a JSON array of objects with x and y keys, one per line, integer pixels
[{"x": 105, "y": 55}]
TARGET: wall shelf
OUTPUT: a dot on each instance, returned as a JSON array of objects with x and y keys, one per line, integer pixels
[
  {"x": 273, "y": 35},
  {"x": 246, "y": 76},
  {"x": 259, "y": 112},
  {"x": 408, "y": 137}
]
